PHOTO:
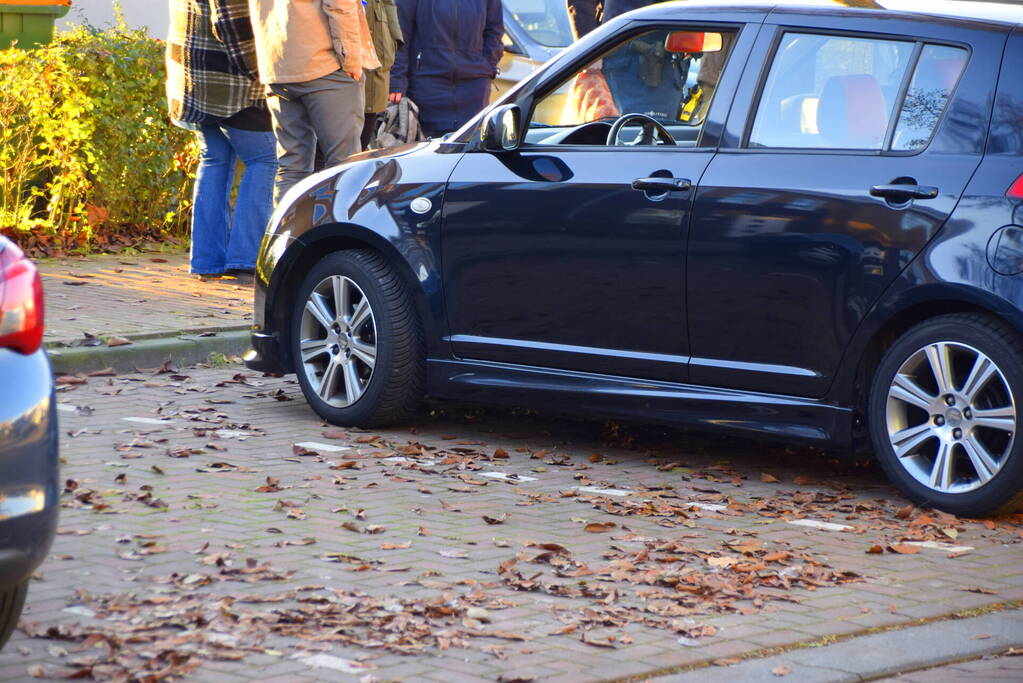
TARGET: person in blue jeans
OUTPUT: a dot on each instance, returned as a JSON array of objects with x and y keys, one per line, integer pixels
[
  {"x": 223, "y": 243},
  {"x": 213, "y": 89}
]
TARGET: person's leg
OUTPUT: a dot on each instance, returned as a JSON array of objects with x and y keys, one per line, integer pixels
[
  {"x": 473, "y": 97},
  {"x": 254, "y": 203},
  {"x": 336, "y": 107},
  {"x": 211, "y": 207},
  {"x": 296, "y": 139},
  {"x": 434, "y": 95},
  {"x": 368, "y": 127}
]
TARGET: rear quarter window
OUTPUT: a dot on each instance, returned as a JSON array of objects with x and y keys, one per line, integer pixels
[{"x": 934, "y": 79}]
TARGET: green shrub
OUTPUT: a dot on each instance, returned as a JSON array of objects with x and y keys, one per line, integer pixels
[{"x": 88, "y": 156}]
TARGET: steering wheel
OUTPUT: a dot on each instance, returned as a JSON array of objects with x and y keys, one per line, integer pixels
[{"x": 647, "y": 137}]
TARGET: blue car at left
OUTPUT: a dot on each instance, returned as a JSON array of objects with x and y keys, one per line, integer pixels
[{"x": 28, "y": 434}]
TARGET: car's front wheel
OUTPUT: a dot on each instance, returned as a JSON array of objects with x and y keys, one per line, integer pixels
[
  {"x": 945, "y": 411},
  {"x": 12, "y": 600},
  {"x": 357, "y": 341}
]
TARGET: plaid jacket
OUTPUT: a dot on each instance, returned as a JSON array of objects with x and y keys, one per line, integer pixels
[{"x": 211, "y": 61}]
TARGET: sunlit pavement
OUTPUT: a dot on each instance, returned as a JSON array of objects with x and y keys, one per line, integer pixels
[{"x": 129, "y": 296}]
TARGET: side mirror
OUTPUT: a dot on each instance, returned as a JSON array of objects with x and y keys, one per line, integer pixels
[{"x": 502, "y": 129}]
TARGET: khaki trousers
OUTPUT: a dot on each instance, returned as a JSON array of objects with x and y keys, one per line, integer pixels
[{"x": 327, "y": 111}]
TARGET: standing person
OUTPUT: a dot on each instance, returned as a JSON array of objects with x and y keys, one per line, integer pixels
[
  {"x": 637, "y": 76},
  {"x": 585, "y": 15},
  {"x": 449, "y": 59},
  {"x": 386, "y": 31},
  {"x": 612, "y": 8},
  {"x": 213, "y": 89},
  {"x": 311, "y": 56}
]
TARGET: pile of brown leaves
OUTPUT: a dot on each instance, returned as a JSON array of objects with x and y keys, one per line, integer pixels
[{"x": 165, "y": 635}]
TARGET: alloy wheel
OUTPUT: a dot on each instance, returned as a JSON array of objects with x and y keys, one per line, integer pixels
[
  {"x": 338, "y": 344},
  {"x": 951, "y": 417}
]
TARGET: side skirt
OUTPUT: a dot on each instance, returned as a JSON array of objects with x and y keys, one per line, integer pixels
[{"x": 769, "y": 416}]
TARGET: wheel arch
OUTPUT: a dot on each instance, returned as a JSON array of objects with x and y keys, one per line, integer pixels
[
  {"x": 887, "y": 325},
  {"x": 313, "y": 245}
]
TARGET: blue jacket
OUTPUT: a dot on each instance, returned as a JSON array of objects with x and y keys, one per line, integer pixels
[{"x": 449, "y": 59}]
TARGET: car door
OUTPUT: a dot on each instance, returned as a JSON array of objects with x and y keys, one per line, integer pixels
[
  {"x": 841, "y": 159},
  {"x": 569, "y": 253}
]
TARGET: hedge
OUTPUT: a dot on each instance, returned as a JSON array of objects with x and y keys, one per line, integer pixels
[{"x": 89, "y": 158}]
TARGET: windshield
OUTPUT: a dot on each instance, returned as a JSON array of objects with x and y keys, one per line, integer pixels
[{"x": 545, "y": 21}]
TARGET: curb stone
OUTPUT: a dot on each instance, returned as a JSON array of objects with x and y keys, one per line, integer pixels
[
  {"x": 878, "y": 655},
  {"x": 182, "y": 349},
  {"x": 203, "y": 331}
]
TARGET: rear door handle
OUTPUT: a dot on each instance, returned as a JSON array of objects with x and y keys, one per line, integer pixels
[
  {"x": 660, "y": 185},
  {"x": 904, "y": 192}
]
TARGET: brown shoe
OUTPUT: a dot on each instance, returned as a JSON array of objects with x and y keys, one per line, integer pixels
[{"x": 207, "y": 277}]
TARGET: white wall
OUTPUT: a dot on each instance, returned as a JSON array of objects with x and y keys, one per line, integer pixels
[{"x": 151, "y": 14}]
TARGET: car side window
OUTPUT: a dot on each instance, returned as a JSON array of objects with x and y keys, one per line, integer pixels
[
  {"x": 666, "y": 74},
  {"x": 830, "y": 92},
  {"x": 934, "y": 79}
]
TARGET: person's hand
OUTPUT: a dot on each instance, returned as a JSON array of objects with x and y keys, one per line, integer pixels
[
  {"x": 394, "y": 97},
  {"x": 356, "y": 74}
]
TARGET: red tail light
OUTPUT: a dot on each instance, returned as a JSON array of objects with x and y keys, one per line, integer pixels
[
  {"x": 21, "y": 302},
  {"x": 1015, "y": 190}
]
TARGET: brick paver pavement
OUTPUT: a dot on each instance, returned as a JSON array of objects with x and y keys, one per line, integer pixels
[
  {"x": 127, "y": 296},
  {"x": 152, "y": 509}
]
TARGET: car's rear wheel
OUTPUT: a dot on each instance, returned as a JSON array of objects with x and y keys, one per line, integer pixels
[
  {"x": 944, "y": 413},
  {"x": 12, "y": 600},
  {"x": 357, "y": 341}
]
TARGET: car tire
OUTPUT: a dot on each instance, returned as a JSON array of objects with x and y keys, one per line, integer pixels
[
  {"x": 12, "y": 600},
  {"x": 944, "y": 415},
  {"x": 354, "y": 312}
]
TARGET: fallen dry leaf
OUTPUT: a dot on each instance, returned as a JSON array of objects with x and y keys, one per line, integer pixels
[{"x": 904, "y": 549}]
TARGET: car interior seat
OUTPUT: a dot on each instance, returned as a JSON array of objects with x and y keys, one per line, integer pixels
[{"x": 852, "y": 112}]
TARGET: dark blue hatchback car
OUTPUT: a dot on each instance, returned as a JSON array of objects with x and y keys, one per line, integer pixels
[
  {"x": 28, "y": 434},
  {"x": 790, "y": 221}
]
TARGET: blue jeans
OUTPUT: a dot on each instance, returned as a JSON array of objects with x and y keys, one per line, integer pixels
[{"x": 219, "y": 242}]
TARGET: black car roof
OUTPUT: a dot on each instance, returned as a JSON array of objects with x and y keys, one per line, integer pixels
[{"x": 997, "y": 12}]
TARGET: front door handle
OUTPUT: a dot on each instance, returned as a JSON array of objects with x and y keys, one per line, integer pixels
[
  {"x": 904, "y": 192},
  {"x": 661, "y": 185}
]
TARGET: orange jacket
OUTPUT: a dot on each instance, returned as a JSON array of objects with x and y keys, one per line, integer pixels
[{"x": 299, "y": 40}]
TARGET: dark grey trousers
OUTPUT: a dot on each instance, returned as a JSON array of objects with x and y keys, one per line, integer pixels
[{"x": 327, "y": 110}]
